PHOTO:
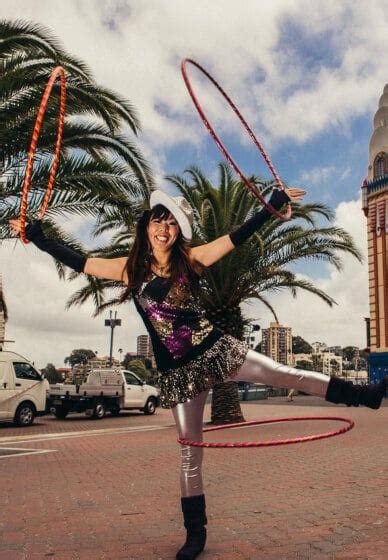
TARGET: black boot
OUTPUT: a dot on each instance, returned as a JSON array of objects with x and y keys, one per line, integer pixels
[
  {"x": 194, "y": 515},
  {"x": 346, "y": 392}
]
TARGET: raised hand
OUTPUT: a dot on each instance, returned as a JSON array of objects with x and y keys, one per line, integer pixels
[
  {"x": 295, "y": 194},
  {"x": 15, "y": 226}
]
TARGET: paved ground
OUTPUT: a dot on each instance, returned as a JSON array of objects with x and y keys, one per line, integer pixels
[{"x": 99, "y": 490}]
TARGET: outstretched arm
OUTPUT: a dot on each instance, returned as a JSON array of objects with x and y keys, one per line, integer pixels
[
  {"x": 212, "y": 252},
  {"x": 110, "y": 269}
]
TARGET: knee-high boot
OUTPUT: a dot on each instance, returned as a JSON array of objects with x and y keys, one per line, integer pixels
[
  {"x": 194, "y": 514},
  {"x": 346, "y": 392}
]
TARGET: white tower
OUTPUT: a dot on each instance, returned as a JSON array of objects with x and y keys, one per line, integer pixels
[{"x": 375, "y": 206}]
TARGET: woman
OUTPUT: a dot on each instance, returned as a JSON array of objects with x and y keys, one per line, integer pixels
[{"x": 162, "y": 274}]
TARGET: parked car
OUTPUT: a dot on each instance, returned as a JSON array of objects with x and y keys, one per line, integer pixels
[
  {"x": 105, "y": 390},
  {"x": 23, "y": 389}
]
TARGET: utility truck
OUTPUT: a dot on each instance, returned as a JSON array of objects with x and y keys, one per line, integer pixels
[
  {"x": 23, "y": 389},
  {"x": 104, "y": 390}
]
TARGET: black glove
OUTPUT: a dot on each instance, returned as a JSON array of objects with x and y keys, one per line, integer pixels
[
  {"x": 244, "y": 232},
  {"x": 63, "y": 254}
]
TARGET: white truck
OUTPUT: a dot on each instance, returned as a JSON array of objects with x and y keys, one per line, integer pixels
[
  {"x": 23, "y": 389},
  {"x": 105, "y": 390}
]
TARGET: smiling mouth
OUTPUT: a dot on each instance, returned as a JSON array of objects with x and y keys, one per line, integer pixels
[{"x": 162, "y": 238}]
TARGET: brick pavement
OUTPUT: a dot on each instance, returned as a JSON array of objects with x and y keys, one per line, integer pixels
[{"x": 116, "y": 495}]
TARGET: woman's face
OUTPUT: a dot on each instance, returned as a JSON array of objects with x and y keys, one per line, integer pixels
[{"x": 162, "y": 233}]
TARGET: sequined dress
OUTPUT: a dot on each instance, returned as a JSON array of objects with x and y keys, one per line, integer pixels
[{"x": 190, "y": 353}]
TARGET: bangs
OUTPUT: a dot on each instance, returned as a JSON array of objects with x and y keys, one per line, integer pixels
[{"x": 160, "y": 212}]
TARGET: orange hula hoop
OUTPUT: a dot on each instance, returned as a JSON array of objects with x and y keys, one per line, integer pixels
[{"x": 58, "y": 72}]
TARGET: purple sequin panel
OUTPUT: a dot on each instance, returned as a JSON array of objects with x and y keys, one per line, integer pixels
[{"x": 179, "y": 342}]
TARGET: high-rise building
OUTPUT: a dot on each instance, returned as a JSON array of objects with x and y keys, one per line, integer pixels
[
  {"x": 331, "y": 363},
  {"x": 375, "y": 206},
  {"x": 318, "y": 347},
  {"x": 276, "y": 343},
  {"x": 144, "y": 346}
]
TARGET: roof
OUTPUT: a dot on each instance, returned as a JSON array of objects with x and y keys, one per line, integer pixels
[{"x": 7, "y": 355}]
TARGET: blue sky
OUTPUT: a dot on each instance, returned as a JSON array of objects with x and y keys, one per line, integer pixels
[
  {"x": 331, "y": 165},
  {"x": 307, "y": 77}
]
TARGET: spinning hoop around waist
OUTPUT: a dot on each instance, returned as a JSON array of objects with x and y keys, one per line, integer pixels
[{"x": 215, "y": 445}]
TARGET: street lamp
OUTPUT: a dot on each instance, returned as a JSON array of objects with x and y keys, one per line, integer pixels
[
  {"x": 112, "y": 323},
  {"x": 250, "y": 341}
]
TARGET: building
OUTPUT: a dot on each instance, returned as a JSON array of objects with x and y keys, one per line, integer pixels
[
  {"x": 329, "y": 363},
  {"x": 375, "y": 207},
  {"x": 144, "y": 346},
  {"x": 298, "y": 359},
  {"x": 250, "y": 337},
  {"x": 102, "y": 362},
  {"x": 64, "y": 371},
  {"x": 78, "y": 373},
  {"x": 318, "y": 347},
  {"x": 276, "y": 343},
  {"x": 337, "y": 350}
]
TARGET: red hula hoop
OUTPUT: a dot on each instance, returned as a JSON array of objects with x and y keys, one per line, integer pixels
[
  {"x": 222, "y": 148},
  {"x": 58, "y": 72},
  {"x": 214, "y": 445}
]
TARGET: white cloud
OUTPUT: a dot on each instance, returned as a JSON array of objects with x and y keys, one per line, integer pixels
[
  {"x": 313, "y": 319},
  {"x": 38, "y": 322},
  {"x": 316, "y": 176},
  {"x": 135, "y": 48}
]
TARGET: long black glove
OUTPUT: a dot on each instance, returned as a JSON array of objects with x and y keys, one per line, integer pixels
[
  {"x": 248, "y": 228},
  {"x": 63, "y": 254}
]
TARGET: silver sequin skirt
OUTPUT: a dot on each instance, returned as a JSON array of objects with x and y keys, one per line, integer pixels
[{"x": 215, "y": 365}]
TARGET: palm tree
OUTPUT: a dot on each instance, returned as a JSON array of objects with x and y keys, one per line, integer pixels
[
  {"x": 3, "y": 305},
  {"x": 257, "y": 268},
  {"x": 101, "y": 170},
  {"x": 3, "y": 315},
  {"x": 261, "y": 265}
]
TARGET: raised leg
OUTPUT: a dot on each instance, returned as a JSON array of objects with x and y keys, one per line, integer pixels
[
  {"x": 258, "y": 368},
  {"x": 261, "y": 369}
]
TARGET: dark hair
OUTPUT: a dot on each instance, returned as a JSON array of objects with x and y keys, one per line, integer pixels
[{"x": 140, "y": 258}]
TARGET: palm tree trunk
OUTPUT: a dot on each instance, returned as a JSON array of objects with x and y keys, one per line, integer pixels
[
  {"x": 3, "y": 307},
  {"x": 226, "y": 407},
  {"x": 3, "y": 315}
]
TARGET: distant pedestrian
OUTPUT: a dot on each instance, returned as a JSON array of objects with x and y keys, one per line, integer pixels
[
  {"x": 162, "y": 275},
  {"x": 290, "y": 396}
]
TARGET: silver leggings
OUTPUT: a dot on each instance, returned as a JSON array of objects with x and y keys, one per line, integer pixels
[{"x": 257, "y": 368}]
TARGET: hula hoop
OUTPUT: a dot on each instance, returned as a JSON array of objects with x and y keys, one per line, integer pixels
[
  {"x": 58, "y": 72},
  {"x": 215, "y": 445},
  {"x": 221, "y": 146}
]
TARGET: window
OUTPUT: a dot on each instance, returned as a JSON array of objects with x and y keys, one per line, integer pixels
[
  {"x": 26, "y": 371},
  {"x": 379, "y": 166},
  {"x": 130, "y": 379}
]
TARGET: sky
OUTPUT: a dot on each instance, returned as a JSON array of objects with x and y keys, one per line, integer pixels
[{"x": 307, "y": 77}]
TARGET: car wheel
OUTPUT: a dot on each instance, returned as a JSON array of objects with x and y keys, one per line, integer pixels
[
  {"x": 99, "y": 410},
  {"x": 25, "y": 414},
  {"x": 61, "y": 412},
  {"x": 150, "y": 406}
]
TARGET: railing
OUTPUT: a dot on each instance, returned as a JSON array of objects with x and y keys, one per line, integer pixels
[{"x": 376, "y": 184}]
